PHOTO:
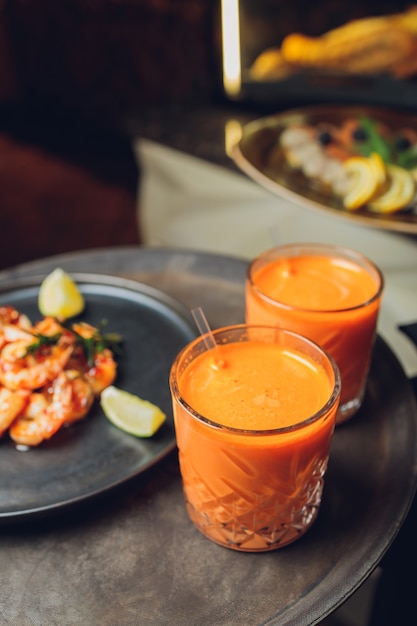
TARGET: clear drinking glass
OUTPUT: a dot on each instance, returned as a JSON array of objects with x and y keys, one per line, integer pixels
[
  {"x": 254, "y": 418},
  {"x": 327, "y": 293}
]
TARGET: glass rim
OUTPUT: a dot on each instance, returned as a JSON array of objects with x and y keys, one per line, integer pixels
[
  {"x": 326, "y": 408},
  {"x": 344, "y": 253}
]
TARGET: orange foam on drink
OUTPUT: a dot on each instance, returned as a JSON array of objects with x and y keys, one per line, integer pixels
[
  {"x": 319, "y": 283},
  {"x": 256, "y": 386}
]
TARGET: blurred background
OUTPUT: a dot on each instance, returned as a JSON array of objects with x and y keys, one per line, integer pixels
[
  {"x": 80, "y": 79},
  {"x": 71, "y": 74}
]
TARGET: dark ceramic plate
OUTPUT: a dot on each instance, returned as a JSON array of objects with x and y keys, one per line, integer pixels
[
  {"x": 92, "y": 456},
  {"x": 259, "y": 156}
]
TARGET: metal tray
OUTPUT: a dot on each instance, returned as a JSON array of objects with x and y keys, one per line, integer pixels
[{"x": 144, "y": 548}]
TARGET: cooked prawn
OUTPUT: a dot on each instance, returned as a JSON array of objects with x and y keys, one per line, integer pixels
[
  {"x": 101, "y": 369},
  {"x": 13, "y": 325},
  {"x": 12, "y": 332},
  {"x": 74, "y": 395},
  {"x": 12, "y": 404},
  {"x": 100, "y": 373},
  {"x": 50, "y": 374},
  {"x": 51, "y": 327},
  {"x": 69, "y": 399},
  {"x": 10, "y": 315},
  {"x": 22, "y": 369}
]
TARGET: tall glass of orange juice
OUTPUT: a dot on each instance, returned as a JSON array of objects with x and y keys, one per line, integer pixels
[
  {"x": 327, "y": 293},
  {"x": 254, "y": 417}
]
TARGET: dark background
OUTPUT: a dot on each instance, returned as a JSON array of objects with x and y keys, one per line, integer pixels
[
  {"x": 71, "y": 73},
  {"x": 80, "y": 78}
]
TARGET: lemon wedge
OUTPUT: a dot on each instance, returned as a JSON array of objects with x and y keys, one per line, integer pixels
[
  {"x": 400, "y": 192},
  {"x": 59, "y": 296},
  {"x": 130, "y": 413},
  {"x": 367, "y": 175}
]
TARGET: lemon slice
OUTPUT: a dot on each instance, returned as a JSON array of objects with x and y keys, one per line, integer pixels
[
  {"x": 379, "y": 167},
  {"x": 130, "y": 413},
  {"x": 59, "y": 296},
  {"x": 367, "y": 175},
  {"x": 401, "y": 191}
]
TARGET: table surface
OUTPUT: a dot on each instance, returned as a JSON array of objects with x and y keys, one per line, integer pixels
[{"x": 132, "y": 556}]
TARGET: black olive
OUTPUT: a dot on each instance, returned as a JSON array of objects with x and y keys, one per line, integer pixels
[
  {"x": 402, "y": 143},
  {"x": 325, "y": 138},
  {"x": 360, "y": 134}
]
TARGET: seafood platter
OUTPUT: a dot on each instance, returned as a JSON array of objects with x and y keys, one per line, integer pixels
[{"x": 354, "y": 162}]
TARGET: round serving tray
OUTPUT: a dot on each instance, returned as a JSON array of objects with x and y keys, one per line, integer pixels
[{"x": 159, "y": 568}]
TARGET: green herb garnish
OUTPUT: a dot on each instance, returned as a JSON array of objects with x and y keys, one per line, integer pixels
[
  {"x": 374, "y": 142},
  {"x": 98, "y": 342},
  {"x": 407, "y": 158},
  {"x": 40, "y": 341}
]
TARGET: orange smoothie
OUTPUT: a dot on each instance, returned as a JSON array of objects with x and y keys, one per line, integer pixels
[
  {"x": 254, "y": 439},
  {"x": 329, "y": 296}
]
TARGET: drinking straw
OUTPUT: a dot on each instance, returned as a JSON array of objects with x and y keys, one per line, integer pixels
[{"x": 204, "y": 328}]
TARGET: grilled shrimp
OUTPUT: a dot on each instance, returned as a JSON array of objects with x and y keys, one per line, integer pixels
[
  {"x": 99, "y": 373},
  {"x": 68, "y": 400},
  {"x": 100, "y": 369},
  {"x": 12, "y": 404},
  {"x": 10, "y": 315},
  {"x": 73, "y": 396},
  {"x": 22, "y": 369},
  {"x": 50, "y": 327},
  {"x": 50, "y": 374},
  {"x": 103, "y": 371},
  {"x": 13, "y": 325}
]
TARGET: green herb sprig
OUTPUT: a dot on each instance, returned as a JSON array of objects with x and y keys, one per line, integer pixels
[
  {"x": 40, "y": 341},
  {"x": 407, "y": 158},
  {"x": 374, "y": 142},
  {"x": 98, "y": 342}
]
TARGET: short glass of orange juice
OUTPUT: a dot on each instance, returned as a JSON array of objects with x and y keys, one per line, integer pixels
[
  {"x": 254, "y": 418},
  {"x": 328, "y": 293}
]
